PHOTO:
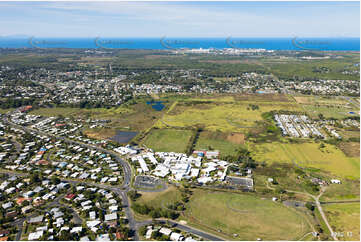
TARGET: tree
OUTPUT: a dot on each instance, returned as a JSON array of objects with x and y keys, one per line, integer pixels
[{"x": 310, "y": 206}]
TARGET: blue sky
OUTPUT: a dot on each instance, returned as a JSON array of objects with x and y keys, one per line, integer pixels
[{"x": 180, "y": 19}]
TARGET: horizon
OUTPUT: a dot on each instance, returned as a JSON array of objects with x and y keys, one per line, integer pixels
[{"x": 187, "y": 19}]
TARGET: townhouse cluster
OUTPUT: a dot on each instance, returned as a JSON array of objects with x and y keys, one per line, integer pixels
[{"x": 297, "y": 126}]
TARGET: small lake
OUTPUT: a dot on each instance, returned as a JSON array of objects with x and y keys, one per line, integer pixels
[
  {"x": 157, "y": 105},
  {"x": 124, "y": 136}
]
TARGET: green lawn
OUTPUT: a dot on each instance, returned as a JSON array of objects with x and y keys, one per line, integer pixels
[
  {"x": 168, "y": 140},
  {"x": 246, "y": 215}
]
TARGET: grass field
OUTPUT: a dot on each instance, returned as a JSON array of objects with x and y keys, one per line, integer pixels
[
  {"x": 160, "y": 199},
  {"x": 216, "y": 116},
  {"x": 328, "y": 111},
  {"x": 246, "y": 215},
  {"x": 344, "y": 218},
  {"x": 347, "y": 190},
  {"x": 3, "y": 111},
  {"x": 227, "y": 144},
  {"x": 319, "y": 100},
  {"x": 167, "y": 140},
  {"x": 329, "y": 159},
  {"x": 94, "y": 112},
  {"x": 137, "y": 116}
]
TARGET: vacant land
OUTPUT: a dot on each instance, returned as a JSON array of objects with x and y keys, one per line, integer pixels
[
  {"x": 344, "y": 218},
  {"x": 329, "y": 159},
  {"x": 168, "y": 140},
  {"x": 227, "y": 144},
  {"x": 247, "y": 216},
  {"x": 319, "y": 100},
  {"x": 160, "y": 199},
  {"x": 328, "y": 111},
  {"x": 136, "y": 116},
  {"x": 217, "y": 116},
  {"x": 347, "y": 190},
  {"x": 100, "y": 133},
  {"x": 351, "y": 149}
]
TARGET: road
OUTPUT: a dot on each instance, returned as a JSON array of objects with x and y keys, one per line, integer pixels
[
  {"x": 181, "y": 227},
  {"x": 319, "y": 207},
  {"x": 121, "y": 191}
]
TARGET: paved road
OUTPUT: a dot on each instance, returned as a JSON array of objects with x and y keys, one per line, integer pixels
[{"x": 188, "y": 229}]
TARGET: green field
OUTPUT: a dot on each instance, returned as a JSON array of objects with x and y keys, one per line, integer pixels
[
  {"x": 137, "y": 116},
  {"x": 344, "y": 218},
  {"x": 245, "y": 215},
  {"x": 347, "y": 190},
  {"x": 3, "y": 111},
  {"x": 160, "y": 199},
  {"x": 217, "y": 141},
  {"x": 167, "y": 140},
  {"x": 217, "y": 116},
  {"x": 93, "y": 112},
  {"x": 329, "y": 111},
  {"x": 330, "y": 158}
]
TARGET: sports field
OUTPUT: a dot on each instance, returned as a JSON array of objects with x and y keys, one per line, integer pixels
[
  {"x": 344, "y": 218},
  {"x": 247, "y": 216},
  {"x": 330, "y": 158},
  {"x": 168, "y": 140}
]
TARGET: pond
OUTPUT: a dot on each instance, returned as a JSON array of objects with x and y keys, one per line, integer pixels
[
  {"x": 156, "y": 105},
  {"x": 123, "y": 136}
]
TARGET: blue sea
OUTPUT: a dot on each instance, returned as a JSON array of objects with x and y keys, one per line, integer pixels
[{"x": 323, "y": 44}]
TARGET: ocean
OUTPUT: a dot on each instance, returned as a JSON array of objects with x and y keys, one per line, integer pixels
[{"x": 322, "y": 44}]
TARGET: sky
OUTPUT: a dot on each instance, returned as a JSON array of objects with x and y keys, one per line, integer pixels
[{"x": 180, "y": 19}]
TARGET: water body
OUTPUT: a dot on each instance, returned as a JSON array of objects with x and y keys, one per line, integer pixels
[
  {"x": 291, "y": 43},
  {"x": 156, "y": 105},
  {"x": 124, "y": 136}
]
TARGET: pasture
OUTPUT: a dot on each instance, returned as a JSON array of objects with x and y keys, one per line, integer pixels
[
  {"x": 168, "y": 140},
  {"x": 344, "y": 218},
  {"x": 247, "y": 216},
  {"x": 330, "y": 158}
]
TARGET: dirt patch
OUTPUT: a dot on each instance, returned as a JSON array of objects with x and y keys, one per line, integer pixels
[
  {"x": 351, "y": 149},
  {"x": 236, "y": 138},
  {"x": 99, "y": 133}
]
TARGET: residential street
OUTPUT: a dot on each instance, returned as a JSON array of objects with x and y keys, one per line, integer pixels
[{"x": 121, "y": 191}]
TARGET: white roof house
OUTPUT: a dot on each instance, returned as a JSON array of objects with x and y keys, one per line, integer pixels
[{"x": 165, "y": 231}]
